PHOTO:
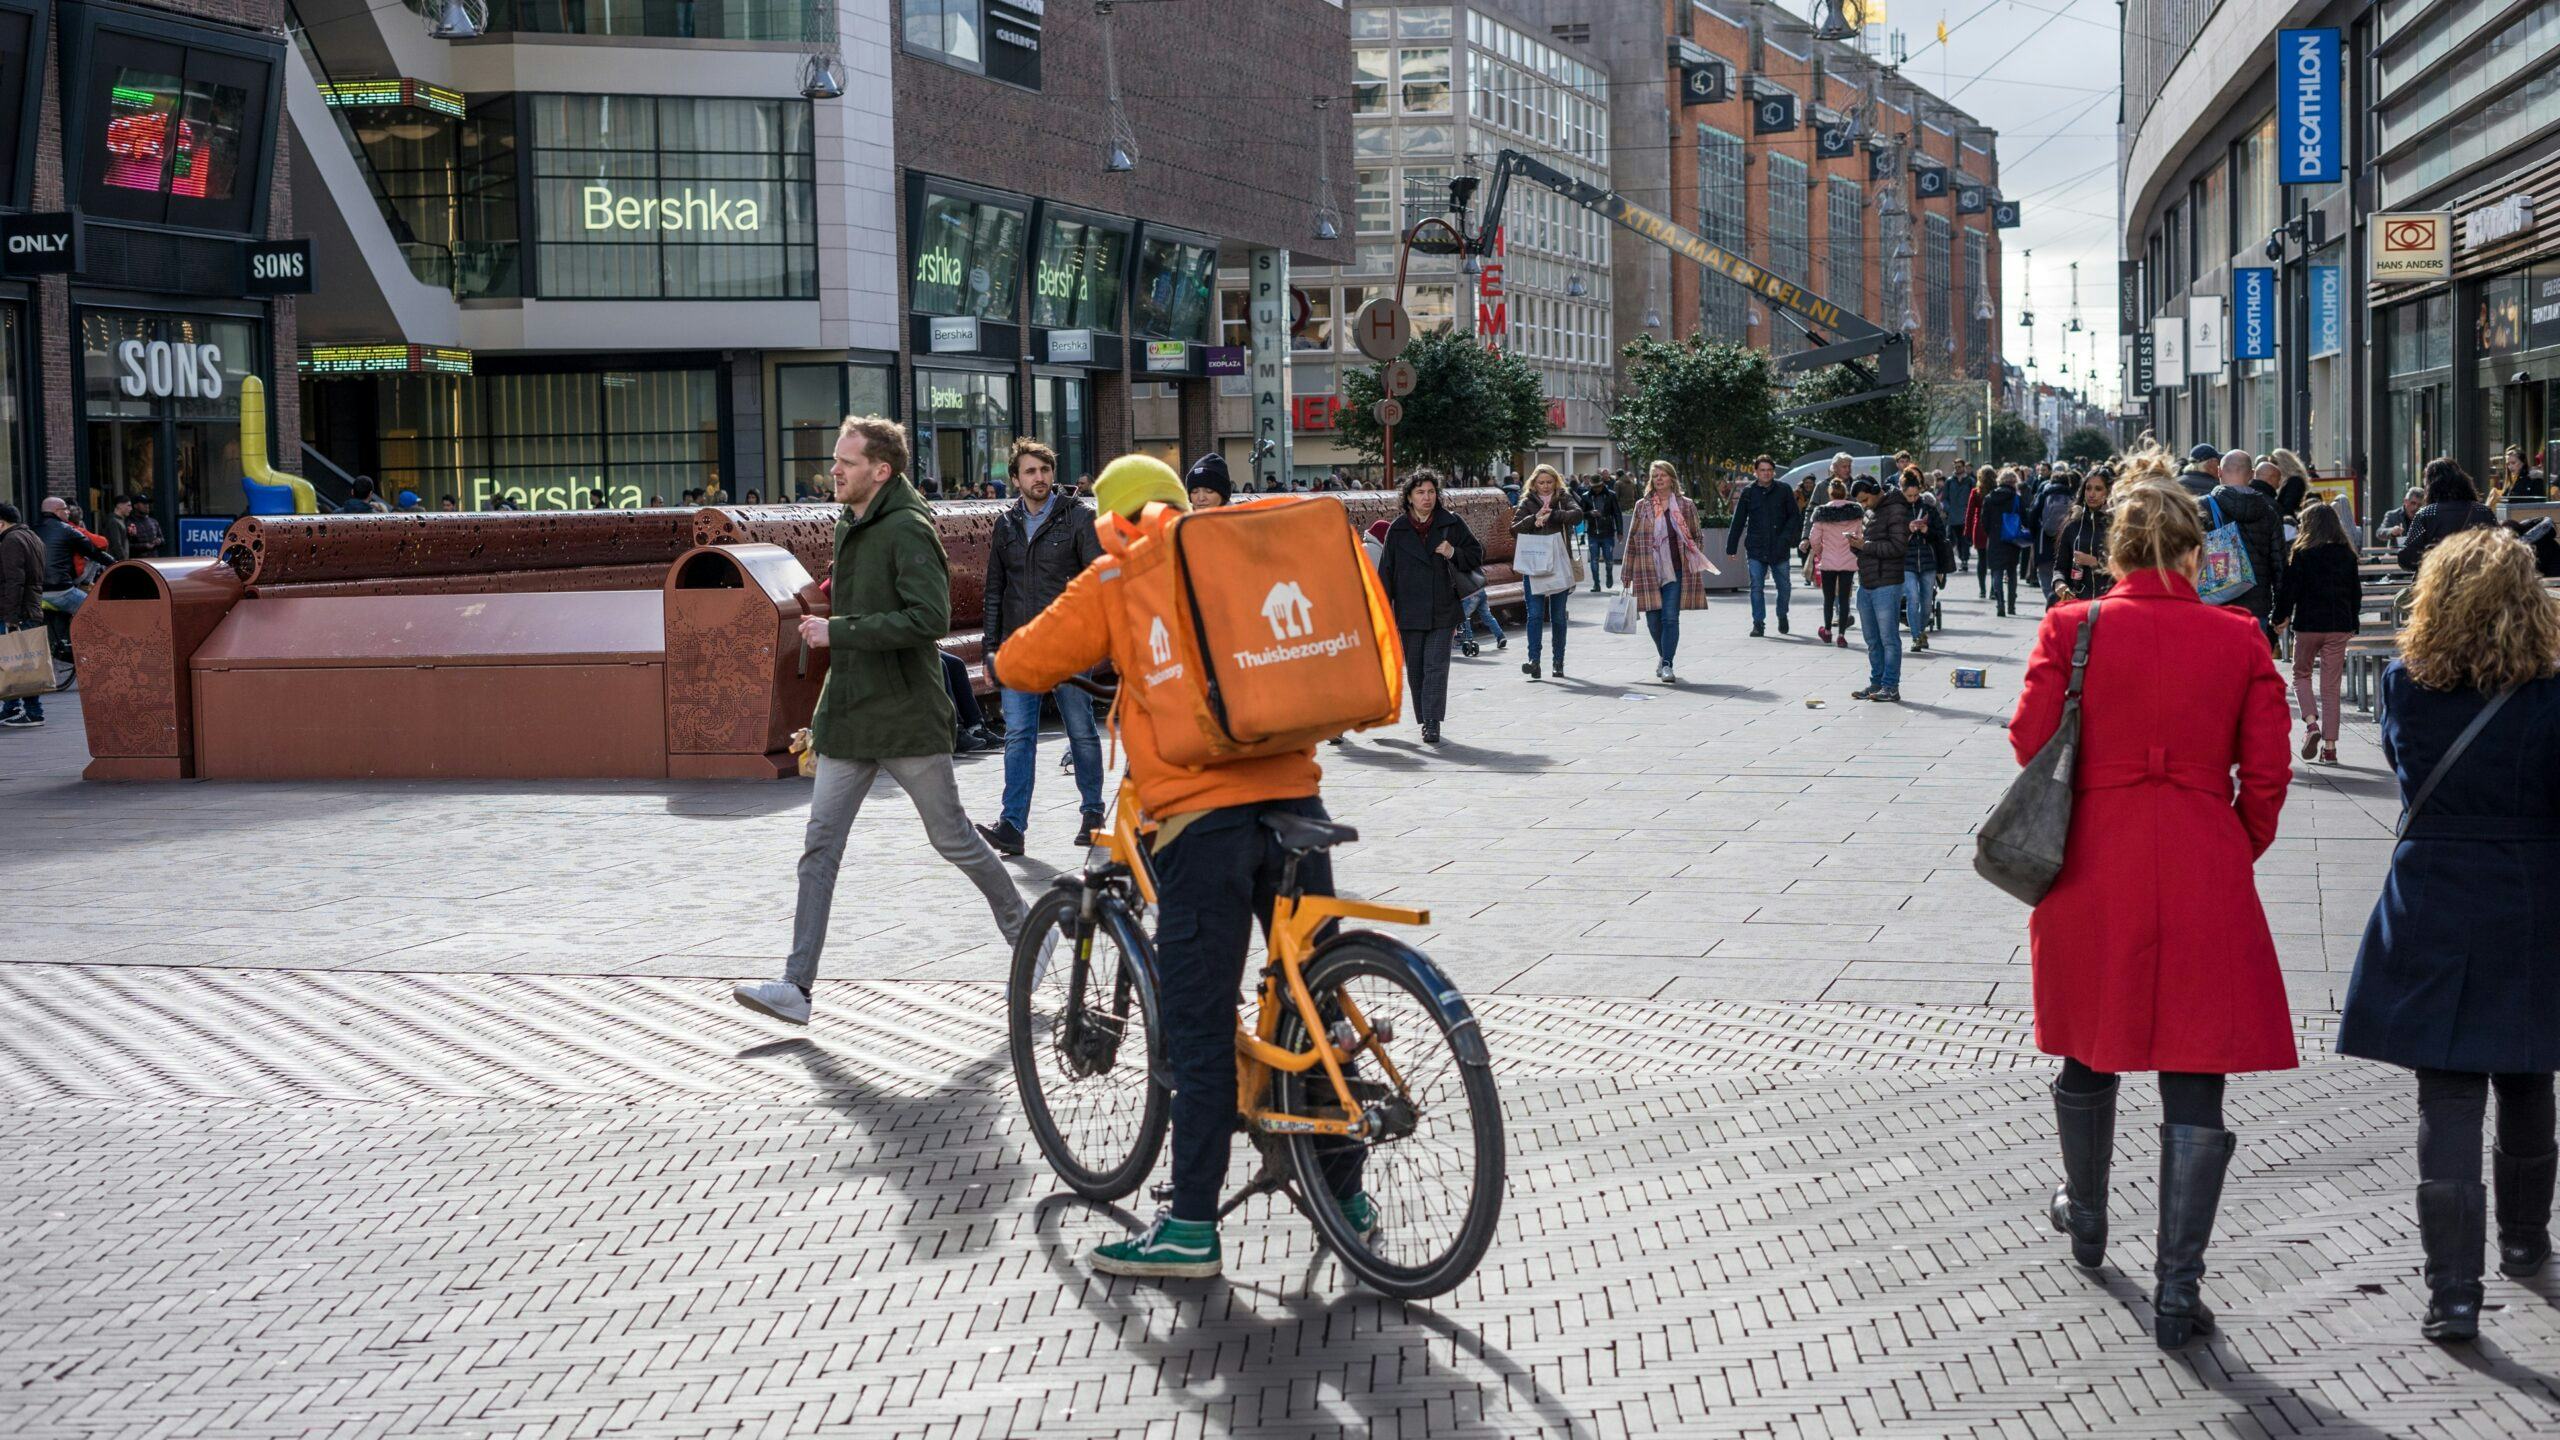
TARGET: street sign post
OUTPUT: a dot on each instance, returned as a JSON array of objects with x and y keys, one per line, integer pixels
[
  {"x": 1383, "y": 329},
  {"x": 1397, "y": 378},
  {"x": 1388, "y": 412}
]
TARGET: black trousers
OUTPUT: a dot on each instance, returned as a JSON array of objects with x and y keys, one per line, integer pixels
[
  {"x": 2185, "y": 1099},
  {"x": 2451, "y": 1106},
  {"x": 1426, "y": 672},
  {"x": 1215, "y": 882},
  {"x": 1839, "y": 591},
  {"x": 2004, "y": 561}
]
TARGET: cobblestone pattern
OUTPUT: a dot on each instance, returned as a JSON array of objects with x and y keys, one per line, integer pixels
[{"x": 277, "y": 1204}]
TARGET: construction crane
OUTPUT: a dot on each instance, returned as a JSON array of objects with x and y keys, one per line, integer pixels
[{"x": 1880, "y": 358}]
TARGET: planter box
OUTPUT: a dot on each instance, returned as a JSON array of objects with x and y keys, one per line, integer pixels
[{"x": 1736, "y": 576}]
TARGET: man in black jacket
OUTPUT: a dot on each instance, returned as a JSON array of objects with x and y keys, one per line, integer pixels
[
  {"x": 2235, "y": 502},
  {"x": 1955, "y": 498},
  {"x": 1598, "y": 497},
  {"x": 1765, "y": 521},
  {"x": 1880, "y": 569},
  {"x": 1039, "y": 545},
  {"x": 2203, "y": 472}
]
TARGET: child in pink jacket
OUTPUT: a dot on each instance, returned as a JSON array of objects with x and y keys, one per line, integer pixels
[{"x": 1831, "y": 539}]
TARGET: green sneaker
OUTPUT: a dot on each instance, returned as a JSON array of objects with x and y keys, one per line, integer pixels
[
  {"x": 1168, "y": 1249},
  {"x": 1362, "y": 1212}
]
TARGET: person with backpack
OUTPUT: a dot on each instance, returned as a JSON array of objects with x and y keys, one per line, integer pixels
[
  {"x": 2007, "y": 540},
  {"x": 882, "y": 707},
  {"x": 1426, "y": 548},
  {"x": 2151, "y": 949},
  {"x": 2320, "y": 594},
  {"x": 1883, "y": 555},
  {"x": 2235, "y": 502},
  {"x": 2454, "y": 978},
  {"x": 1831, "y": 559},
  {"x": 2049, "y": 511},
  {"x": 2453, "y": 506},
  {"x": 1765, "y": 523}
]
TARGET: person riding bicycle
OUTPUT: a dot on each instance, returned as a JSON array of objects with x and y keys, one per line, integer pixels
[{"x": 1217, "y": 869}]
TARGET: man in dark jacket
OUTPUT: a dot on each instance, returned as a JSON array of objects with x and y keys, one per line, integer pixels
[
  {"x": 2203, "y": 472},
  {"x": 1880, "y": 570},
  {"x": 2235, "y": 502},
  {"x": 21, "y": 603},
  {"x": 1931, "y": 555},
  {"x": 1039, "y": 545},
  {"x": 2048, "y": 513},
  {"x": 882, "y": 706},
  {"x": 1955, "y": 497},
  {"x": 1764, "y": 527},
  {"x": 1598, "y": 497},
  {"x": 64, "y": 541},
  {"x": 117, "y": 526}
]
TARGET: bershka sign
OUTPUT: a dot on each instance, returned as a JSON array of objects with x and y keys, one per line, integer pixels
[
  {"x": 701, "y": 211},
  {"x": 40, "y": 244},
  {"x": 169, "y": 370},
  {"x": 2253, "y": 313},
  {"x": 2308, "y": 145}
]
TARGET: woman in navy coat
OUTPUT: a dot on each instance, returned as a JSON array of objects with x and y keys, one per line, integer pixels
[{"x": 2459, "y": 974}]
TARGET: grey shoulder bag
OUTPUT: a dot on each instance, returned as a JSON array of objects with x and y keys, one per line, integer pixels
[
  {"x": 2452, "y": 753},
  {"x": 2020, "y": 847}
]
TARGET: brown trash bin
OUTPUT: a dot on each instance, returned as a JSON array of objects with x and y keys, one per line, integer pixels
[
  {"x": 134, "y": 637},
  {"x": 738, "y": 679}
]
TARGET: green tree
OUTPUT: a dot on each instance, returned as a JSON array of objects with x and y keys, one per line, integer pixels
[
  {"x": 1704, "y": 405},
  {"x": 2013, "y": 441},
  {"x": 1899, "y": 421},
  {"x": 2086, "y": 445},
  {"x": 1470, "y": 406}
]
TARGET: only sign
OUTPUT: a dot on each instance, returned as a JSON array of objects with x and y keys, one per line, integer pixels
[
  {"x": 1398, "y": 377},
  {"x": 1389, "y": 413},
  {"x": 1382, "y": 329}
]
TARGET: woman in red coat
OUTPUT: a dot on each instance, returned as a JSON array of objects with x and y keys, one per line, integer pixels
[{"x": 2151, "y": 950}]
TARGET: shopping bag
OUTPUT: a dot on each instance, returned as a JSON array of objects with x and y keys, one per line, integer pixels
[
  {"x": 2225, "y": 573},
  {"x": 26, "y": 664},
  {"x": 1622, "y": 614}
]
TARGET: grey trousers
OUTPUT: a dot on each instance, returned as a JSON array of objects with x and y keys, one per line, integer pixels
[{"x": 929, "y": 782}]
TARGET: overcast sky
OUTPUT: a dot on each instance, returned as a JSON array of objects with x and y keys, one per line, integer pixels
[{"x": 2044, "y": 74}]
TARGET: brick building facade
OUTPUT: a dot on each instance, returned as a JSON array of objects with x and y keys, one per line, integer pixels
[
  {"x": 1006, "y": 124},
  {"x": 122, "y": 376}
]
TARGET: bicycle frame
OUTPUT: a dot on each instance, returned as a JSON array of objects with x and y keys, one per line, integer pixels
[{"x": 1296, "y": 922}]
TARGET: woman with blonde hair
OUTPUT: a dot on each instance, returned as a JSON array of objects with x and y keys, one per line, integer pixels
[
  {"x": 1667, "y": 565},
  {"x": 1544, "y": 527},
  {"x": 2151, "y": 951},
  {"x": 2455, "y": 977}
]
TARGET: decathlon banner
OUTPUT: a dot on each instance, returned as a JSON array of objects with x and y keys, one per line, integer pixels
[
  {"x": 2253, "y": 314},
  {"x": 2308, "y": 77}
]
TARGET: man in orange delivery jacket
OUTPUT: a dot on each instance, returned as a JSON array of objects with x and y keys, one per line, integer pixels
[{"x": 1217, "y": 871}]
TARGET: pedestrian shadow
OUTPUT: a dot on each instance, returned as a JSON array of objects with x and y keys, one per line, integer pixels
[
  {"x": 1949, "y": 711},
  {"x": 1356, "y": 1333},
  {"x": 1377, "y": 755},
  {"x": 751, "y": 801},
  {"x": 945, "y": 1151},
  {"x": 1724, "y": 692},
  {"x": 2492, "y": 1363}
]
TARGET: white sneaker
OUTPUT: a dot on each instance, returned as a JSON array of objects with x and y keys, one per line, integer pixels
[
  {"x": 1661, "y": 672},
  {"x": 1670, "y": 676},
  {"x": 778, "y": 998}
]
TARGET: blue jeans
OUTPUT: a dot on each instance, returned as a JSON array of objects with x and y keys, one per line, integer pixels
[
  {"x": 1474, "y": 606},
  {"x": 1919, "y": 587},
  {"x": 1604, "y": 556},
  {"x": 1664, "y": 621},
  {"x": 1761, "y": 570},
  {"x": 1879, "y": 616},
  {"x": 1546, "y": 612},
  {"x": 1022, "y": 748}
]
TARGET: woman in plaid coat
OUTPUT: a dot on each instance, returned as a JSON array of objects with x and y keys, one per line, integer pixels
[{"x": 1667, "y": 565}]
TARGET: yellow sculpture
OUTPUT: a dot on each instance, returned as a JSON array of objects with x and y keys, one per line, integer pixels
[{"x": 270, "y": 491}]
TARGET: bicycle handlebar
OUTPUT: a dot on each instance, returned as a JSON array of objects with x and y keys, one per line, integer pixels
[{"x": 1094, "y": 688}]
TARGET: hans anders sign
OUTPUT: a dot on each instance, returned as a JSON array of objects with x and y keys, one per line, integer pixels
[
  {"x": 2253, "y": 314},
  {"x": 40, "y": 244},
  {"x": 2308, "y": 76}
]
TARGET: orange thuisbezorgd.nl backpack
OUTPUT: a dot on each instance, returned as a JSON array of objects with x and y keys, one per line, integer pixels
[{"x": 1262, "y": 626}]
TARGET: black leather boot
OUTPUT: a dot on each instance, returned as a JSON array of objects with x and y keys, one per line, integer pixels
[
  {"x": 2524, "y": 1213},
  {"x": 2193, "y": 1159},
  {"x": 2086, "y": 1122},
  {"x": 2453, "y": 1226}
]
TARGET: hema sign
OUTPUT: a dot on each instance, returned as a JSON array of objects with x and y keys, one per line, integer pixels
[{"x": 2308, "y": 77}]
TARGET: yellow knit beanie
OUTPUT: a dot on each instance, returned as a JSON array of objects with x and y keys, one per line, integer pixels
[{"x": 1127, "y": 485}]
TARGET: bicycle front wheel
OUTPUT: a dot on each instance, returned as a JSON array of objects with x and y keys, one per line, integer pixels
[
  {"x": 1432, "y": 1167},
  {"x": 1083, "y": 1027}
]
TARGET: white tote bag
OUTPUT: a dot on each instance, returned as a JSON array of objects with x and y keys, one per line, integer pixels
[{"x": 1622, "y": 614}]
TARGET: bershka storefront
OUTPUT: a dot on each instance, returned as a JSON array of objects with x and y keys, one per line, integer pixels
[{"x": 146, "y": 279}]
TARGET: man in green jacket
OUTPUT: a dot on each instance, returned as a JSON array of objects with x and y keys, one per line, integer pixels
[{"x": 883, "y": 706}]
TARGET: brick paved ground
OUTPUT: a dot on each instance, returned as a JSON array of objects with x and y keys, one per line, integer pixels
[{"x": 420, "y": 1109}]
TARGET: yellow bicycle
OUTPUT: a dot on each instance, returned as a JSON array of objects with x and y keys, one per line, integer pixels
[{"x": 1360, "y": 1055}]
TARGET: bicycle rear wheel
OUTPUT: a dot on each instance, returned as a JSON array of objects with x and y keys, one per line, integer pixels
[
  {"x": 1434, "y": 1167},
  {"x": 1085, "y": 1064}
]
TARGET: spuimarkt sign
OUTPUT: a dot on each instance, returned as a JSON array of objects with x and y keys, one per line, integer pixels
[{"x": 2412, "y": 244}]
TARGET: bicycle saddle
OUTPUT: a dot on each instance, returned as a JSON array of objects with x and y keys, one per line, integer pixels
[{"x": 1300, "y": 834}]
